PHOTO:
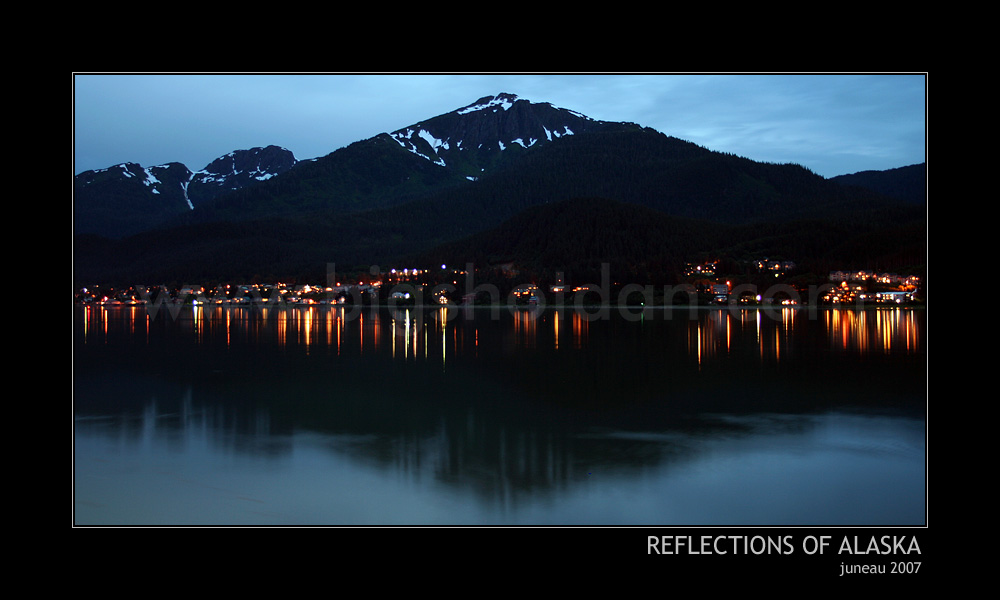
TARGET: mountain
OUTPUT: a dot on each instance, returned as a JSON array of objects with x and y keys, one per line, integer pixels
[
  {"x": 481, "y": 175},
  {"x": 238, "y": 170},
  {"x": 908, "y": 184},
  {"x": 431, "y": 157},
  {"x": 127, "y": 199},
  {"x": 477, "y": 137}
]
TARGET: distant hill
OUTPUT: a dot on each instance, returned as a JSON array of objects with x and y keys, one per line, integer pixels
[
  {"x": 578, "y": 236},
  {"x": 908, "y": 184}
]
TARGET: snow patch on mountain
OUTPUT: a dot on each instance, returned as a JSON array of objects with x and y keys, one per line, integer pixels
[
  {"x": 433, "y": 141},
  {"x": 151, "y": 180},
  {"x": 404, "y": 139},
  {"x": 207, "y": 177},
  {"x": 184, "y": 187},
  {"x": 504, "y": 101},
  {"x": 566, "y": 131}
]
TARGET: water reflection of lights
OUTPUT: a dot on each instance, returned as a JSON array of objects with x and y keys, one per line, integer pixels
[
  {"x": 555, "y": 327},
  {"x": 885, "y": 330},
  {"x": 771, "y": 334},
  {"x": 443, "y": 325},
  {"x": 706, "y": 336},
  {"x": 525, "y": 328},
  {"x": 405, "y": 327},
  {"x": 307, "y": 326},
  {"x": 714, "y": 333},
  {"x": 282, "y": 327},
  {"x": 581, "y": 327},
  {"x": 527, "y": 325}
]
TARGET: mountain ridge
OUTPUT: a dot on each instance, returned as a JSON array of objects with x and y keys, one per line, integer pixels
[
  {"x": 463, "y": 173},
  {"x": 128, "y": 198}
]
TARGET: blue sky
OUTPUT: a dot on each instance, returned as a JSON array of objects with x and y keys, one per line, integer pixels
[{"x": 831, "y": 123}]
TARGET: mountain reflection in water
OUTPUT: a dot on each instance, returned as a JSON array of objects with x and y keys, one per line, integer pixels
[{"x": 328, "y": 415}]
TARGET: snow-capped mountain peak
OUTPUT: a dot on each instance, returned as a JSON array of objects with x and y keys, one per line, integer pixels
[
  {"x": 242, "y": 167},
  {"x": 470, "y": 137},
  {"x": 503, "y": 100}
]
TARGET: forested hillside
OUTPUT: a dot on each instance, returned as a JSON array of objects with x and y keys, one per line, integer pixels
[
  {"x": 907, "y": 184},
  {"x": 619, "y": 193}
]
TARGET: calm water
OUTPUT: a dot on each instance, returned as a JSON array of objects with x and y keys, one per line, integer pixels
[{"x": 328, "y": 416}]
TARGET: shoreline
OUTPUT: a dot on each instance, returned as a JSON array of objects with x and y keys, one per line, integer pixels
[{"x": 510, "y": 307}]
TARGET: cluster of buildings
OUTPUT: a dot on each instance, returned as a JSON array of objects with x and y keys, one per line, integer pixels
[
  {"x": 775, "y": 266},
  {"x": 850, "y": 287},
  {"x": 872, "y": 276},
  {"x": 258, "y": 293},
  {"x": 854, "y": 286},
  {"x": 698, "y": 269},
  {"x": 854, "y": 291}
]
